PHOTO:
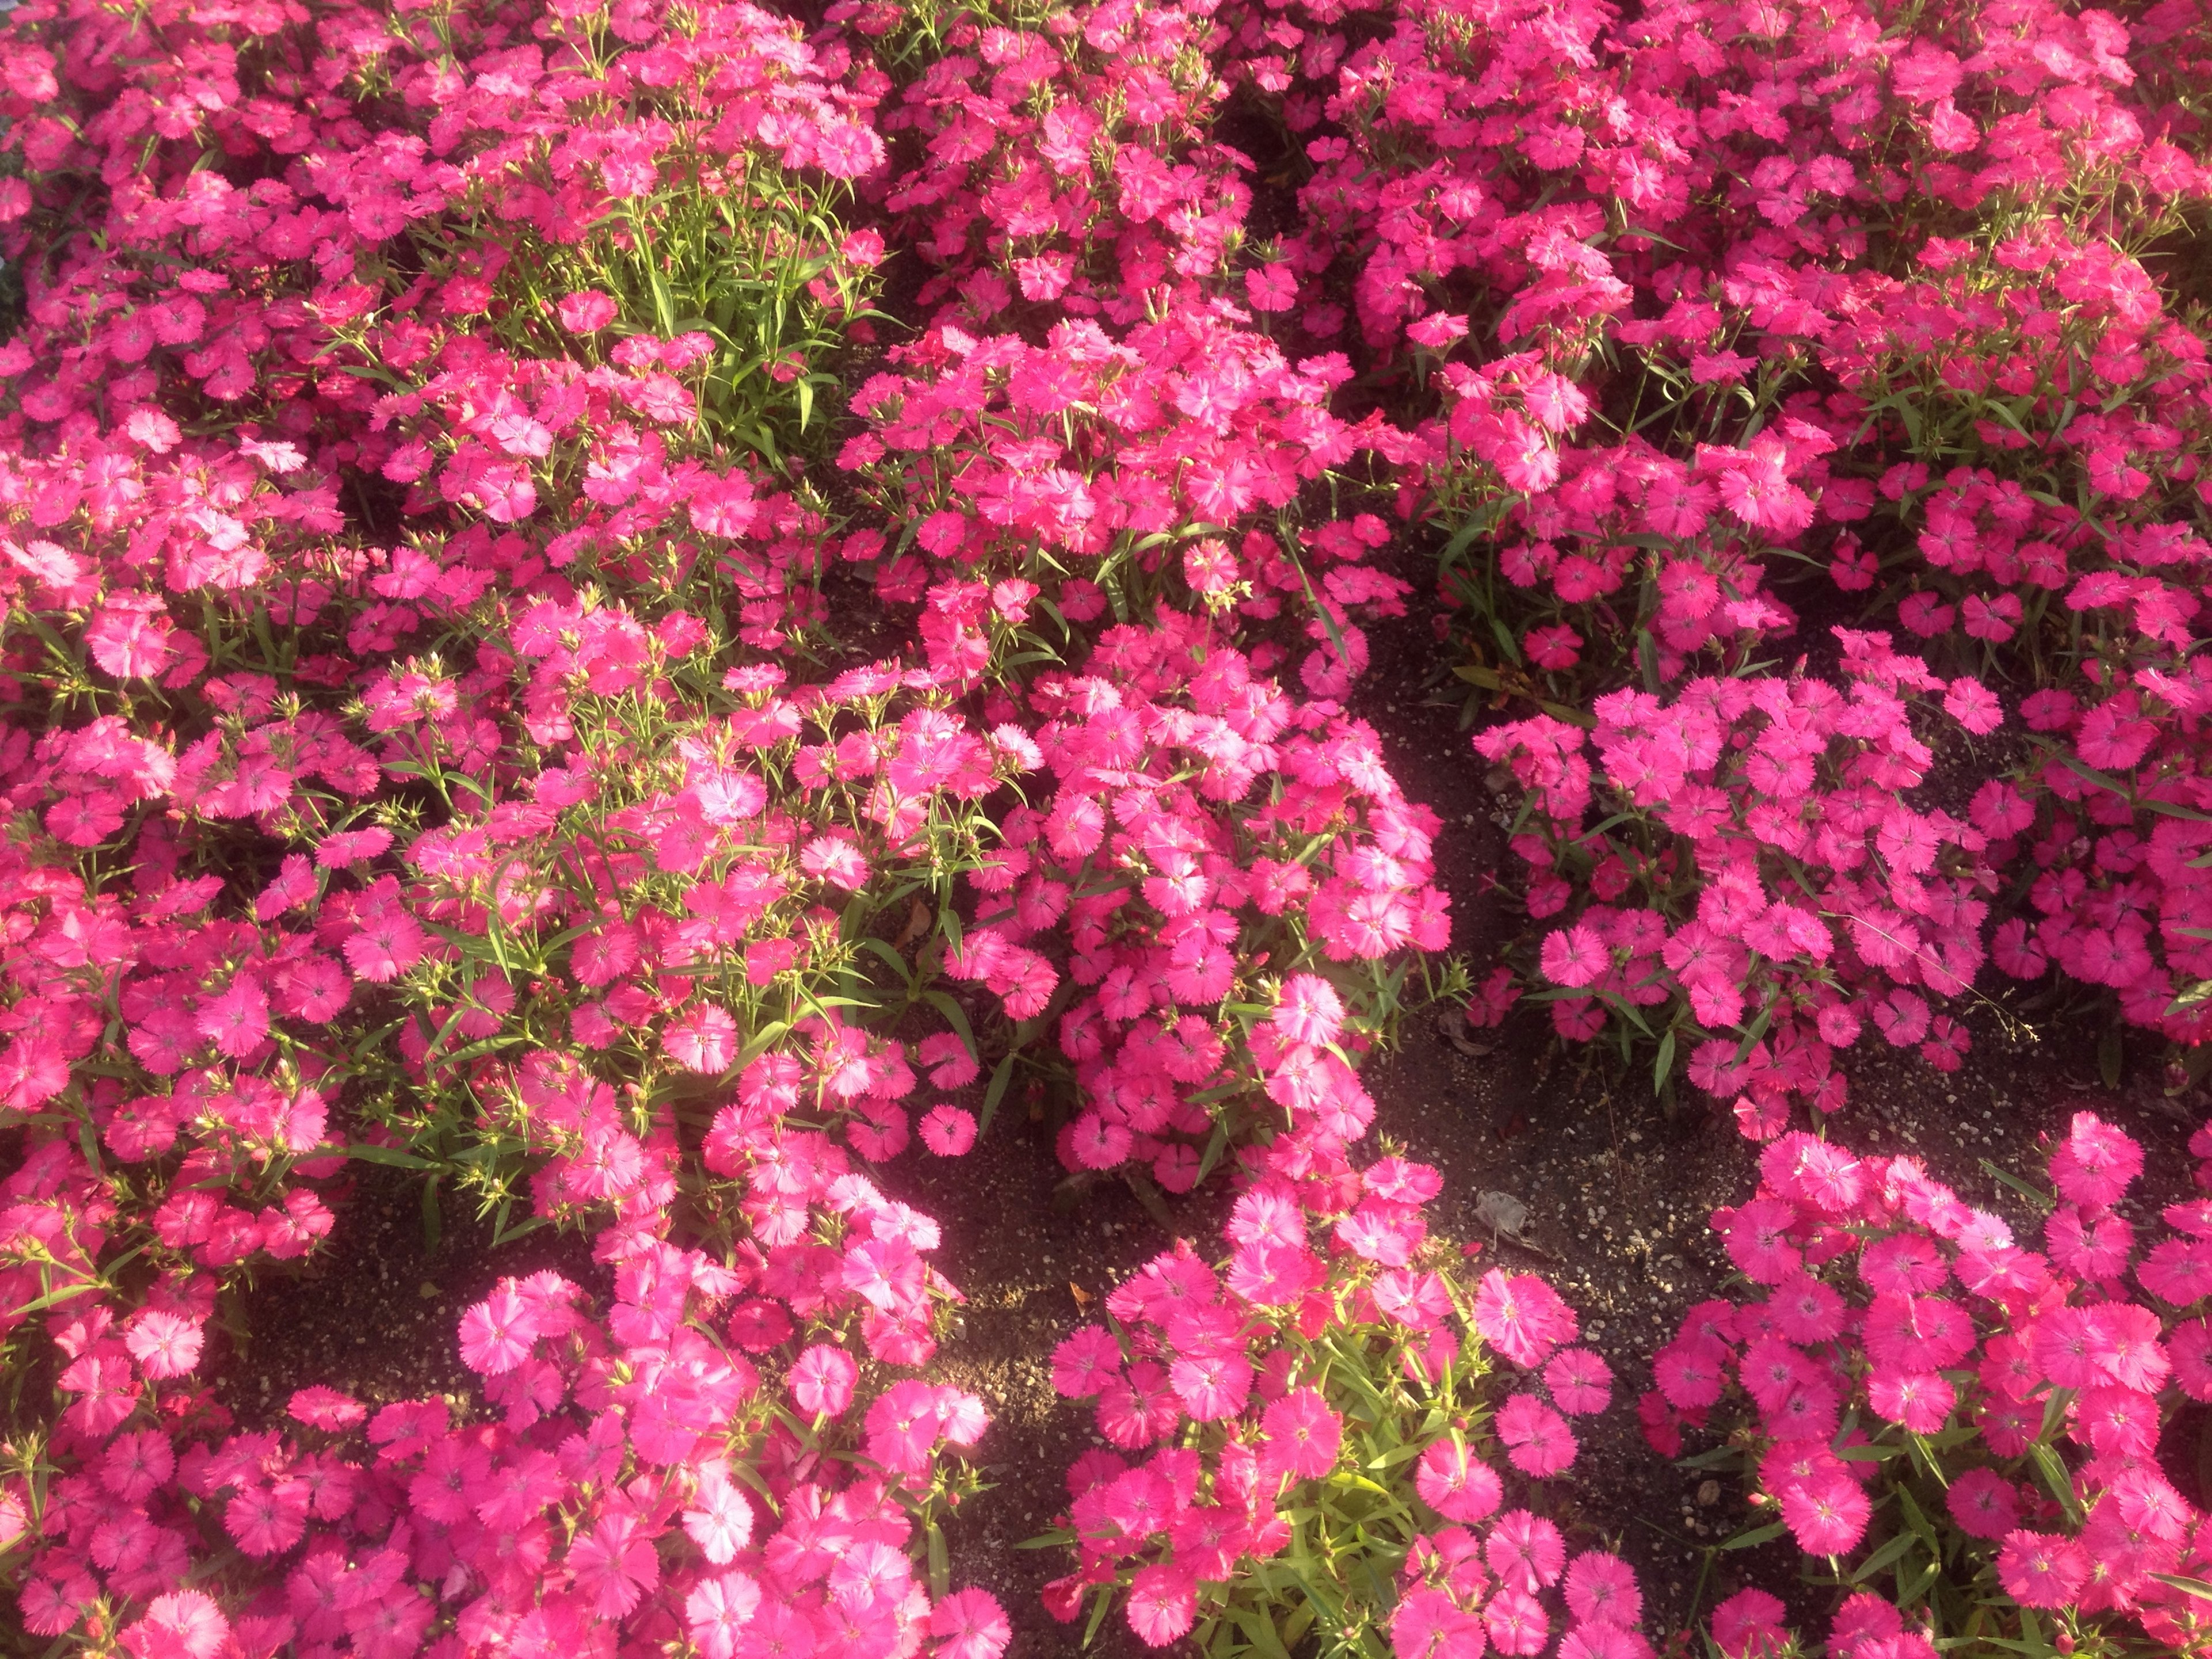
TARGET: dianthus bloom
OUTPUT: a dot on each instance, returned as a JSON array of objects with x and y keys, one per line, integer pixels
[
  {"x": 970, "y": 1623},
  {"x": 165, "y": 1344},
  {"x": 1537, "y": 1439},
  {"x": 1311, "y": 1010},
  {"x": 821, "y": 1380},
  {"x": 2038, "y": 1570},
  {"x": 1602, "y": 1590},
  {"x": 1826, "y": 1514},
  {"x": 1580, "y": 1381},
  {"x": 1456, "y": 1483},
  {"x": 1302, "y": 1434},
  {"x": 948, "y": 1131},
  {"x": 1522, "y": 1317},
  {"x": 182, "y": 1625}
]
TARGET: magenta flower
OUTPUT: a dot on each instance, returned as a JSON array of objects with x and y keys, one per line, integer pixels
[
  {"x": 970, "y": 1623},
  {"x": 948, "y": 1131},
  {"x": 181, "y": 1625},
  {"x": 1456, "y": 1483},
  {"x": 717, "y": 1611},
  {"x": 1580, "y": 1381},
  {"x": 1522, "y": 1317},
  {"x": 1162, "y": 1603},
  {"x": 1826, "y": 1514},
  {"x": 2038, "y": 1570},
  {"x": 1302, "y": 1434},
  {"x": 1537, "y": 1439},
  {"x": 703, "y": 1039},
  {"x": 1427, "y": 1624}
]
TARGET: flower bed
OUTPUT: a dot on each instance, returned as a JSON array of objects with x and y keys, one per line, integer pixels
[{"x": 629, "y": 612}]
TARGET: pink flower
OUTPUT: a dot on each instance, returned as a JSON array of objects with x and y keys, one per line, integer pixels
[
  {"x": 2096, "y": 1164},
  {"x": 834, "y": 859},
  {"x": 1516, "y": 1622},
  {"x": 1454, "y": 1483},
  {"x": 970, "y": 1623},
  {"x": 1162, "y": 1603},
  {"x": 1094, "y": 1143},
  {"x": 498, "y": 1332},
  {"x": 1601, "y": 1589},
  {"x": 1983, "y": 1504},
  {"x": 615, "y": 1564},
  {"x": 2038, "y": 1570},
  {"x": 1082, "y": 1363},
  {"x": 1748, "y": 1626},
  {"x": 1271, "y": 288},
  {"x": 1538, "y": 1441},
  {"x": 1574, "y": 956},
  {"x": 1309, "y": 1010},
  {"x": 182, "y": 1625},
  {"x": 135, "y": 1467},
  {"x": 1429, "y": 1625},
  {"x": 1211, "y": 1387},
  {"x": 165, "y": 1344},
  {"x": 721, "y": 1520},
  {"x": 821, "y": 1380},
  {"x": 1580, "y": 1381},
  {"x": 1826, "y": 1514},
  {"x": 1920, "y": 1400},
  {"x": 1302, "y": 1434},
  {"x": 1525, "y": 1551},
  {"x": 265, "y": 1522},
  {"x": 587, "y": 311},
  {"x": 717, "y": 1611},
  {"x": 1522, "y": 1317},
  {"x": 704, "y": 1039},
  {"x": 868, "y": 1574},
  {"x": 948, "y": 1131}
]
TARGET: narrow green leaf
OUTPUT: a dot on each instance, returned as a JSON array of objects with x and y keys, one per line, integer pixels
[
  {"x": 999, "y": 1078},
  {"x": 1756, "y": 1536}
]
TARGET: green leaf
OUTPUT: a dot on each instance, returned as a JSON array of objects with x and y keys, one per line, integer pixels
[
  {"x": 389, "y": 1156},
  {"x": 1665, "y": 1063},
  {"x": 1881, "y": 1557},
  {"x": 2056, "y": 1480},
  {"x": 999, "y": 1078},
  {"x": 1756, "y": 1536},
  {"x": 2042, "y": 1201},
  {"x": 1216, "y": 1144},
  {"x": 940, "y": 1564}
]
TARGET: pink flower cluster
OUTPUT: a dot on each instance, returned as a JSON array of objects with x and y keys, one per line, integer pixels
[
  {"x": 604, "y": 1501},
  {"x": 1334, "y": 1340},
  {"x": 1911, "y": 1380},
  {"x": 1758, "y": 869},
  {"x": 1175, "y": 885}
]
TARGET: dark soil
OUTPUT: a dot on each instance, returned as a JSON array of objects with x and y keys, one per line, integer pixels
[{"x": 374, "y": 1313}]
